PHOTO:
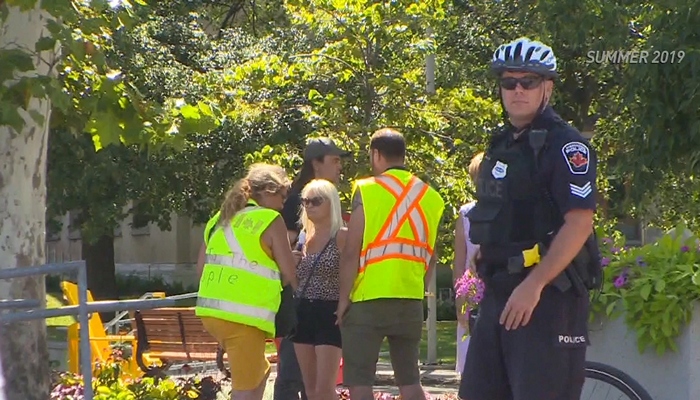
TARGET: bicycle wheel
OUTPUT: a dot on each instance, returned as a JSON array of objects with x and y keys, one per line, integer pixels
[{"x": 604, "y": 382}]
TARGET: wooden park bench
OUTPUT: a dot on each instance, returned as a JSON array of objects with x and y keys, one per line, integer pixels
[{"x": 174, "y": 335}]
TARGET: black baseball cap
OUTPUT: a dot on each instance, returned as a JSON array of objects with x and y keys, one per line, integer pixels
[{"x": 320, "y": 147}]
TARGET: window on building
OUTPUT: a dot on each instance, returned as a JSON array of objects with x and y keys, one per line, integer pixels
[{"x": 140, "y": 224}]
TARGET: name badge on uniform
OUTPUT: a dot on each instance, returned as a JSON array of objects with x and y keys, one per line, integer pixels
[{"x": 499, "y": 170}]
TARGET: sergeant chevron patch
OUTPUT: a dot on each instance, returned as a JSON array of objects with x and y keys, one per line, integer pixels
[{"x": 581, "y": 191}]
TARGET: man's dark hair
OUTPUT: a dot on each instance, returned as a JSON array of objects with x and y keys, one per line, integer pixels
[
  {"x": 390, "y": 144},
  {"x": 306, "y": 175}
]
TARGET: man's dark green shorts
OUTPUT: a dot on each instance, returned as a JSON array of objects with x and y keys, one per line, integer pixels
[{"x": 364, "y": 328}]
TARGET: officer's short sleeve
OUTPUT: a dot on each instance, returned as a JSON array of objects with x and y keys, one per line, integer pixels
[{"x": 573, "y": 183}]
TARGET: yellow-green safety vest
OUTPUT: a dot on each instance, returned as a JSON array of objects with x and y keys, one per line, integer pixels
[
  {"x": 240, "y": 282},
  {"x": 402, "y": 216}
]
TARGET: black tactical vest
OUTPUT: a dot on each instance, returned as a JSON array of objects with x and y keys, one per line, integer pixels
[{"x": 511, "y": 213}]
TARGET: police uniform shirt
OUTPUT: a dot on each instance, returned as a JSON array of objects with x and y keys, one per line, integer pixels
[{"x": 568, "y": 163}]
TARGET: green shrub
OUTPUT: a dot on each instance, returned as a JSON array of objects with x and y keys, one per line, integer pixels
[
  {"x": 132, "y": 285},
  {"x": 443, "y": 277},
  {"x": 655, "y": 286},
  {"x": 446, "y": 311}
]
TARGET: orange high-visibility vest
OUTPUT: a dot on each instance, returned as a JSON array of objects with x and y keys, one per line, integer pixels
[{"x": 402, "y": 215}]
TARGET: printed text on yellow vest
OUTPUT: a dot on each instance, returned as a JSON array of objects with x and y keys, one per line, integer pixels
[
  {"x": 402, "y": 214},
  {"x": 240, "y": 282}
]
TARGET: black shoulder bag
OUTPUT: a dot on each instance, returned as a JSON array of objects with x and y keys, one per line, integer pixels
[{"x": 297, "y": 299}]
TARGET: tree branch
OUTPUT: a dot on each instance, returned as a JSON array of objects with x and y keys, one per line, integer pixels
[{"x": 340, "y": 60}]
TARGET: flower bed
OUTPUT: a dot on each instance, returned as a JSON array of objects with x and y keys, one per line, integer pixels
[
  {"x": 654, "y": 286},
  {"x": 109, "y": 383}
]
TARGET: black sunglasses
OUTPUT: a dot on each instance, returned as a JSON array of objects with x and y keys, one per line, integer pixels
[
  {"x": 527, "y": 82},
  {"x": 314, "y": 201}
]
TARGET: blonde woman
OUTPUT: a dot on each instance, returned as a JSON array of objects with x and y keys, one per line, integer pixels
[
  {"x": 317, "y": 337},
  {"x": 465, "y": 252},
  {"x": 245, "y": 250}
]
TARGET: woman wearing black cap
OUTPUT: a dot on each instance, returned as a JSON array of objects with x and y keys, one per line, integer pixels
[{"x": 322, "y": 160}]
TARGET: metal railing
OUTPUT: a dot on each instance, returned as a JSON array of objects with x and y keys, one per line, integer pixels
[
  {"x": 112, "y": 327},
  {"x": 82, "y": 310}
]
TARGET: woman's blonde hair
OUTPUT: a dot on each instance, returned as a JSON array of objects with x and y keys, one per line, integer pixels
[
  {"x": 327, "y": 190},
  {"x": 261, "y": 178},
  {"x": 474, "y": 166}
]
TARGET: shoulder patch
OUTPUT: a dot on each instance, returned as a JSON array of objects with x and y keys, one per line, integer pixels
[{"x": 577, "y": 156}]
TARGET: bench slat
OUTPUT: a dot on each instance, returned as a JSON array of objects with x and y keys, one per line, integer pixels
[
  {"x": 179, "y": 356},
  {"x": 159, "y": 347},
  {"x": 174, "y": 336}
]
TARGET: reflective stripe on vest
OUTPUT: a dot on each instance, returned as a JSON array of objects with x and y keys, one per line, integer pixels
[
  {"x": 238, "y": 260},
  {"x": 407, "y": 207},
  {"x": 237, "y": 308}
]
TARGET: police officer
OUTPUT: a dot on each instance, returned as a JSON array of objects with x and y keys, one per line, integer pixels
[
  {"x": 388, "y": 257},
  {"x": 535, "y": 192}
]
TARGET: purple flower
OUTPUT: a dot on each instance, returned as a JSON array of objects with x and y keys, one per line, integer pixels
[
  {"x": 640, "y": 261},
  {"x": 685, "y": 249},
  {"x": 620, "y": 281},
  {"x": 605, "y": 261},
  {"x": 607, "y": 240},
  {"x": 471, "y": 288},
  {"x": 615, "y": 250}
]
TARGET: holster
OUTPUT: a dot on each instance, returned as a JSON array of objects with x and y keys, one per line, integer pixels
[{"x": 567, "y": 279}]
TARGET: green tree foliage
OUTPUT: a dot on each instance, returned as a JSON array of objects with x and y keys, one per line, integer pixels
[
  {"x": 89, "y": 94},
  {"x": 364, "y": 69},
  {"x": 662, "y": 97},
  {"x": 168, "y": 55},
  {"x": 168, "y": 58}
]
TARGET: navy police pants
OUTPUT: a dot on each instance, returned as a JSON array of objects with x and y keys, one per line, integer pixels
[{"x": 544, "y": 360}]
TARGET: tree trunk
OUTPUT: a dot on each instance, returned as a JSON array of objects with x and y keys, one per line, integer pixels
[
  {"x": 101, "y": 271},
  {"x": 25, "y": 357}
]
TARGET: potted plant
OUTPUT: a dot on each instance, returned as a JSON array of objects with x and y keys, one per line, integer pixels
[{"x": 655, "y": 286}]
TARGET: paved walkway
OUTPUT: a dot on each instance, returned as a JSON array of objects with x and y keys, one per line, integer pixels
[{"x": 436, "y": 380}]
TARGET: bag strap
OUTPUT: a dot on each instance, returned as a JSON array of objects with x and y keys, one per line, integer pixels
[{"x": 313, "y": 267}]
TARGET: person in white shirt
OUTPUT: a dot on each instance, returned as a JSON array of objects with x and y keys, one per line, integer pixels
[{"x": 465, "y": 251}]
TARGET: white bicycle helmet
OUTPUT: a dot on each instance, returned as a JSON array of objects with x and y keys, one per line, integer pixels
[{"x": 525, "y": 55}]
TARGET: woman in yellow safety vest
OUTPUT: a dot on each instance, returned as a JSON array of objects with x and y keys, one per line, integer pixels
[{"x": 245, "y": 250}]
